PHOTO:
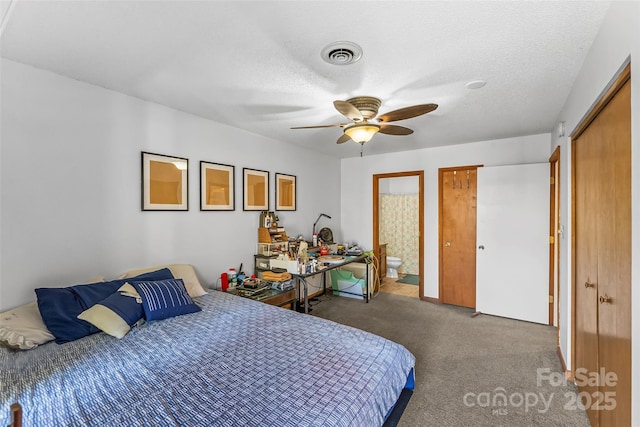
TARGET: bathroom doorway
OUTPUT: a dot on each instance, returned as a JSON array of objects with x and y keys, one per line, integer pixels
[{"x": 398, "y": 230}]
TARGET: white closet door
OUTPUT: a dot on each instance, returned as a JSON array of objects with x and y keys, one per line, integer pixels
[{"x": 512, "y": 254}]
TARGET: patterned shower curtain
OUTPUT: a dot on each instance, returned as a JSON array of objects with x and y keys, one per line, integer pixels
[{"x": 399, "y": 229}]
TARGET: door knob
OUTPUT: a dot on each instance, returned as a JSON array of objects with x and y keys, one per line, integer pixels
[
  {"x": 447, "y": 244},
  {"x": 588, "y": 285},
  {"x": 604, "y": 299},
  {"x": 481, "y": 247}
]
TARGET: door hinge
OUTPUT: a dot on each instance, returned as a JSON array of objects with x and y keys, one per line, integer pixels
[
  {"x": 550, "y": 299},
  {"x": 552, "y": 240},
  {"x": 552, "y": 180}
]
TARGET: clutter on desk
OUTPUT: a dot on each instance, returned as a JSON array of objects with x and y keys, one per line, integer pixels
[
  {"x": 354, "y": 250},
  {"x": 249, "y": 292},
  {"x": 268, "y": 219},
  {"x": 272, "y": 238},
  {"x": 252, "y": 283},
  {"x": 276, "y": 277},
  {"x": 331, "y": 259},
  {"x": 287, "y": 285},
  {"x": 326, "y": 235}
]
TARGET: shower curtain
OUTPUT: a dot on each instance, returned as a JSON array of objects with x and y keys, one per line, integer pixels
[{"x": 399, "y": 229}]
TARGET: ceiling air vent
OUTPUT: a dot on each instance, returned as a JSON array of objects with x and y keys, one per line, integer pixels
[{"x": 342, "y": 53}]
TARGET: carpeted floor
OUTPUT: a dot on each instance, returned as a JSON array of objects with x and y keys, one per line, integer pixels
[{"x": 466, "y": 367}]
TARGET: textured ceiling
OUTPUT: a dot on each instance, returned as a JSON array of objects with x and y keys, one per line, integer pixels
[{"x": 257, "y": 65}]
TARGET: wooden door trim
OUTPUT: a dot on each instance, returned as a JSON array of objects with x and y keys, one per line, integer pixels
[
  {"x": 554, "y": 179},
  {"x": 441, "y": 171},
  {"x": 616, "y": 84},
  {"x": 376, "y": 219},
  {"x": 608, "y": 94}
]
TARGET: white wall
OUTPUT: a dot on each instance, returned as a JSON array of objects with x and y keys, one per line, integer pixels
[
  {"x": 618, "y": 39},
  {"x": 399, "y": 185},
  {"x": 357, "y": 185},
  {"x": 70, "y": 181}
]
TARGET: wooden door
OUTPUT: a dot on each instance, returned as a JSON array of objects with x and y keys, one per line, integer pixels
[
  {"x": 614, "y": 254},
  {"x": 586, "y": 169},
  {"x": 602, "y": 233},
  {"x": 458, "y": 194}
]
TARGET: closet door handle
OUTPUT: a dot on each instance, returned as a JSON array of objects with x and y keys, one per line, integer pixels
[
  {"x": 588, "y": 285},
  {"x": 604, "y": 299}
]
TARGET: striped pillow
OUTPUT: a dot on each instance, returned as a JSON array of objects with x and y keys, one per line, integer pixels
[{"x": 164, "y": 298}]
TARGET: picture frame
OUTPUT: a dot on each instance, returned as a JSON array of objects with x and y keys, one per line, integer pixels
[
  {"x": 165, "y": 182},
  {"x": 285, "y": 192},
  {"x": 217, "y": 187},
  {"x": 255, "y": 184}
]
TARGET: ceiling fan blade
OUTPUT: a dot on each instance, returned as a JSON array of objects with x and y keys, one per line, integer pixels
[
  {"x": 407, "y": 112},
  {"x": 395, "y": 130},
  {"x": 344, "y": 138},
  {"x": 321, "y": 126},
  {"x": 348, "y": 110}
]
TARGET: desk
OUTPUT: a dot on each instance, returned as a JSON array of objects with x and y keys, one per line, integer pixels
[
  {"x": 302, "y": 278},
  {"x": 271, "y": 297}
]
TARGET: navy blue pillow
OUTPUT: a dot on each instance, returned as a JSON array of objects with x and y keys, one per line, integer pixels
[
  {"x": 124, "y": 306},
  {"x": 92, "y": 294},
  {"x": 164, "y": 298},
  {"x": 60, "y": 307}
]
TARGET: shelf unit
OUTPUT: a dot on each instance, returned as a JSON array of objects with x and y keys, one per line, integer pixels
[
  {"x": 272, "y": 235},
  {"x": 272, "y": 241}
]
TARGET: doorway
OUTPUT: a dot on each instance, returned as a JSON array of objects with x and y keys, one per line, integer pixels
[{"x": 409, "y": 192}]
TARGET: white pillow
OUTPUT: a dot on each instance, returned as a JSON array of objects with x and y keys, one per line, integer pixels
[
  {"x": 23, "y": 328},
  {"x": 179, "y": 271}
]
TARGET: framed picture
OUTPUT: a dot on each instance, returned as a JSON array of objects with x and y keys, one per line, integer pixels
[
  {"x": 217, "y": 188},
  {"x": 256, "y": 189},
  {"x": 165, "y": 183},
  {"x": 285, "y": 192}
]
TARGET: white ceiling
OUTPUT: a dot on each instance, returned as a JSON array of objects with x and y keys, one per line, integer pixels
[{"x": 257, "y": 65}]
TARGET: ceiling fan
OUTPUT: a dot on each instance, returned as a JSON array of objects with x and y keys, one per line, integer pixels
[{"x": 362, "y": 111}]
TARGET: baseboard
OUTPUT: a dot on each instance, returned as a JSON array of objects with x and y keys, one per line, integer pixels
[
  {"x": 316, "y": 294},
  {"x": 430, "y": 299},
  {"x": 567, "y": 374}
]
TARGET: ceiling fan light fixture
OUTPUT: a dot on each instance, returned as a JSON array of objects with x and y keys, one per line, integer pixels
[{"x": 362, "y": 133}]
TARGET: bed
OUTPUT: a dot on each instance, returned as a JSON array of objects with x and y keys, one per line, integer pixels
[{"x": 237, "y": 362}]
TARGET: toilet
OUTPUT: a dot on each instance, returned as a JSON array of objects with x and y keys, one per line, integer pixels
[{"x": 393, "y": 263}]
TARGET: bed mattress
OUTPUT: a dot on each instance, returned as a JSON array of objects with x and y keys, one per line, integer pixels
[{"x": 236, "y": 363}]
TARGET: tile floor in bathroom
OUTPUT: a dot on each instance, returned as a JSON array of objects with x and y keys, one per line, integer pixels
[{"x": 392, "y": 287}]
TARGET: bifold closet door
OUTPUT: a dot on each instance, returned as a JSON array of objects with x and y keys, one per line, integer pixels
[
  {"x": 587, "y": 214},
  {"x": 512, "y": 261},
  {"x": 602, "y": 233}
]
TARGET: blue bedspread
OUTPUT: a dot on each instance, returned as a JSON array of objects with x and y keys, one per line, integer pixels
[{"x": 236, "y": 363}]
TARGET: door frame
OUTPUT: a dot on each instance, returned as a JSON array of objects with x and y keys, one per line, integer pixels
[
  {"x": 616, "y": 84},
  {"x": 376, "y": 219},
  {"x": 441, "y": 171},
  {"x": 554, "y": 255}
]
